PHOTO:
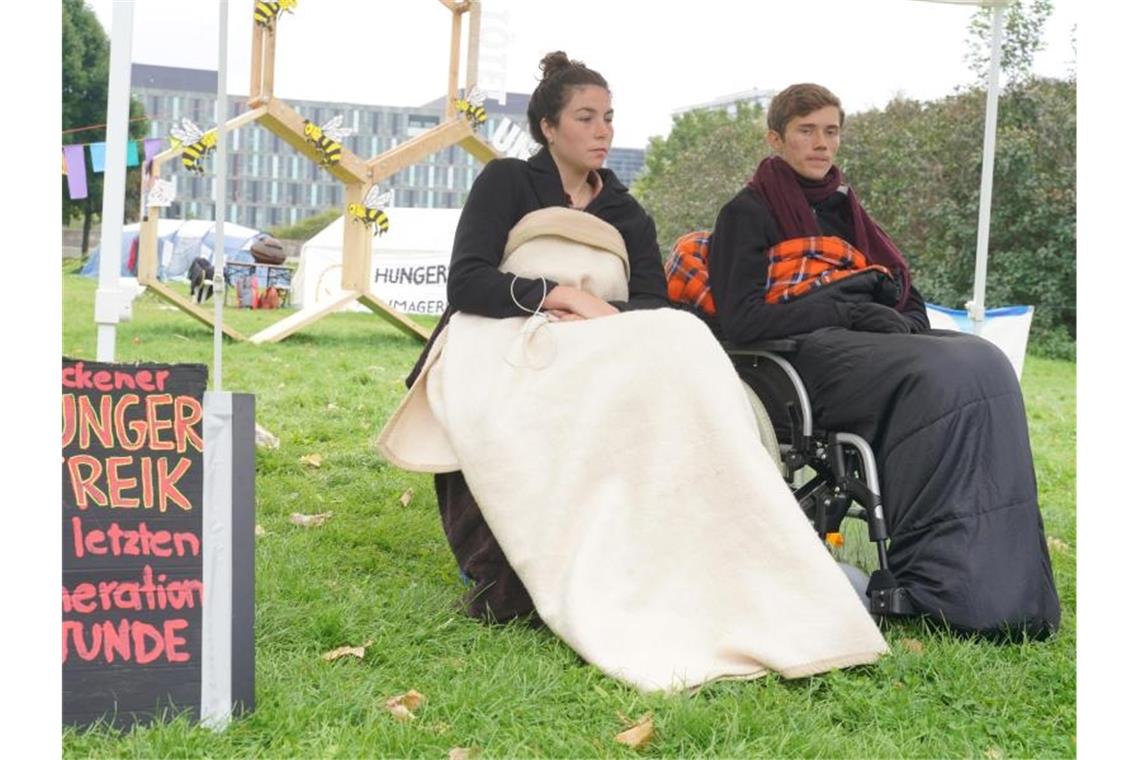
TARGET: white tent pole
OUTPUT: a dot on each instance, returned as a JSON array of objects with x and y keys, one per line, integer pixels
[
  {"x": 108, "y": 298},
  {"x": 220, "y": 195},
  {"x": 977, "y": 306}
]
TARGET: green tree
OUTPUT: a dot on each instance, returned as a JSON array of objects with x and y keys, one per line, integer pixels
[
  {"x": 706, "y": 159},
  {"x": 917, "y": 167},
  {"x": 1021, "y": 39},
  {"x": 86, "y": 57}
]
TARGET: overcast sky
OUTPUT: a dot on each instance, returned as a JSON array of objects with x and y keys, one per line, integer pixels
[{"x": 657, "y": 56}]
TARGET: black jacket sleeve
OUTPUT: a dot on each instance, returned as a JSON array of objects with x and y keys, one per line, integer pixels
[
  {"x": 915, "y": 311},
  {"x": 646, "y": 272},
  {"x": 475, "y": 285},
  {"x": 738, "y": 274}
]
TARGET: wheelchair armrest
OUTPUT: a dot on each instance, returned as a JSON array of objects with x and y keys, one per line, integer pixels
[
  {"x": 776, "y": 346},
  {"x": 770, "y": 350}
]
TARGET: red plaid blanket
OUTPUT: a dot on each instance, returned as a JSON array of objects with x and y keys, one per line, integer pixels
[
  {"x": 687, "y": 272},
  {"x": 800, "y": 265}
]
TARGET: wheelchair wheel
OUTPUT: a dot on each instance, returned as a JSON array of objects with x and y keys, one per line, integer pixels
[{"x": 764, "y": 425}]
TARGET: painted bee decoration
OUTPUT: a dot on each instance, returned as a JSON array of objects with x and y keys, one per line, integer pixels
[
  {"x": 472, "y": 106},
  {"x": 265, "y": 12},
  {"x": 371, "y": 212},
  {"x": 327, "y": 138},
  {"x": 195, "y": 143}
]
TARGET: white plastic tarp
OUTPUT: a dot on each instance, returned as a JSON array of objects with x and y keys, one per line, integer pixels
[
  {"x": 1006, "y": 327},
  {"x": 409, "y": 262}
]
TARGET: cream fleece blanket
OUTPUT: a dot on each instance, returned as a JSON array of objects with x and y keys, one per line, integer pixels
[{"x": 617, "y": 463}]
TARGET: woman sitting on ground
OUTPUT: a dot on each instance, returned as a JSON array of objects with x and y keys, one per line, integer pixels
[{"x": 654, "y": 537}]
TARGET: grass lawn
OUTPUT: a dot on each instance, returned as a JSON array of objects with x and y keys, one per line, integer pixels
[{"x": 381, "y": 571}]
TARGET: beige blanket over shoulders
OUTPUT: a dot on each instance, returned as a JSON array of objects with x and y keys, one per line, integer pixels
[{"x": 617, "y": 462}]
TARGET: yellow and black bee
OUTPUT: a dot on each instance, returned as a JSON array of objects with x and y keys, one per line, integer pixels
[
  {"x": 472, "y": 106},
  {"x": 327, "y": 138},
  {"x": 371, "y": 211},
  {"x": 195, "y": 143},
  {"x": 265, "y": 12}
]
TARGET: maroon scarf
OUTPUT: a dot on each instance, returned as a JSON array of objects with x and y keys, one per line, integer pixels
[{"x": 788, "y": 195}]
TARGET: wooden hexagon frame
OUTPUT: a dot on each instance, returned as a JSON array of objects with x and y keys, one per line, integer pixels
[{"x": 355, "y": 173}]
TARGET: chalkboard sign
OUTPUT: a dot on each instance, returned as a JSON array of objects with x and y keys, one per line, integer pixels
[{"x": 133, "y": 592}]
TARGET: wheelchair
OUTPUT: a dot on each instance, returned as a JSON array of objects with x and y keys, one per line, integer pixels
[{"x": 832, "y": 474}]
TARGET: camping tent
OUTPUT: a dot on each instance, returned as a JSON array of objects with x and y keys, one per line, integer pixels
[
  {"x": 179, "y": 243},
  {"x": 409, "y": 262}
]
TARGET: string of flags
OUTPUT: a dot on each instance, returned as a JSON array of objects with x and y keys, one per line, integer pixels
[{"x": 75, "y": 158}]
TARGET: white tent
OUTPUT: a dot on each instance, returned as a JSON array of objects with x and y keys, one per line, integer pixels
[
  {"x": 409, "y": 262},
  {"x": 180, "y": 241}
]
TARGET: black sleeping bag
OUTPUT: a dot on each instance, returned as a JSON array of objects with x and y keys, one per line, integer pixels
[{"x": 944, "y": 415}]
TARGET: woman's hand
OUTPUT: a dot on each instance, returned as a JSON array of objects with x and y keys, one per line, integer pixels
[
  {"x": 571, "y": 303},
  {"x": 561, "y": 315}
]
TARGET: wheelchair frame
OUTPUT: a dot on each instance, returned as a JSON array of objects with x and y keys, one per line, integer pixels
[{"x": 846, "y": 479}]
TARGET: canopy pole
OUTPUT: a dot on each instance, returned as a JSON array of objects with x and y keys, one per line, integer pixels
[
  {"x": 108, "y": 297},
  {"x": 220, "y": 195},
  {"x": 977, "y": 306}
]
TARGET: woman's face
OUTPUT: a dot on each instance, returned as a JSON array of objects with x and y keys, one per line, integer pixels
[
  {"x": 584, "y": 130},
  {"x": 809, "y": 143}
]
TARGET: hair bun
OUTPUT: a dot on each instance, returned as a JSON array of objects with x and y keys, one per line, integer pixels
[{"x": 552, "y": 63}]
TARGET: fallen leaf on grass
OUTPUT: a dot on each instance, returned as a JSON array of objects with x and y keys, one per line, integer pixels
[
  {"x": 136, "y": 340},
  {"x": 638, "y": 735},
  {"x": 311, "y": 460},
  {"x": 258, "y": 531},
  {"x": 339, "y": 652},
  {"x": 264, "y": 438},
  {"x": 993, "y": 753},
  {"x": 462, "y": 753},
  {"x": 912, "y": 645},
  {"x": 331, "y": 406},
  {"x": 309, "y": 521},
  {"x": 1057, "y": 546},
  {"x": 402, "y": 705},
  {"x": 406, "y": 497}
]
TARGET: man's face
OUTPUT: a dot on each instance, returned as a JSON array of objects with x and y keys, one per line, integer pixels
[{"x": 809, "y": 143}]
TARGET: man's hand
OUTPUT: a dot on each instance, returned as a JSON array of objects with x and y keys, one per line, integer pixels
[{"x": 874, "y": 317}]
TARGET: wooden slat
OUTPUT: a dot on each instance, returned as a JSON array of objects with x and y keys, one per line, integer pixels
[
  {"x": 478, "y": 147},
  {"x": 164, "y": 291},
  {"x": 245, "y": 118},
  {"x": 294, "y": 322},
  {"x": 356, "y": 253},
  {"x": 450, "y": 5},
  {"x": 411, "y": 151},
  {"x": 270, "y": 61},
  {"x": 474, "y": 19},
  {"x": 393, "y": 317},
  {"x": 453, "y": 66},
  {"x": 255, "y": 61},
  {"x": 287, "y": 124},
  {"x": 148, "y": 247}
]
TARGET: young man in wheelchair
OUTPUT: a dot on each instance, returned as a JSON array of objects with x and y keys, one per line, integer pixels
[{"x": 795, "y": 255}]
